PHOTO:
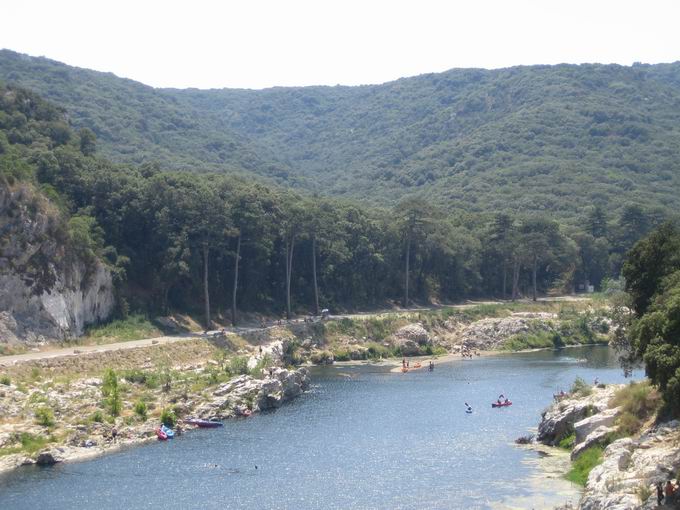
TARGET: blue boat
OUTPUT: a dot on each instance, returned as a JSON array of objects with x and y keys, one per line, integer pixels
[{"x": 168, "y": 431}]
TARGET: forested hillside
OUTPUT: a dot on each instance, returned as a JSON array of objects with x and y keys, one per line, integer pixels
[
  {"x": 554, "y": 139},
  {"x": 216, "y": 243}
]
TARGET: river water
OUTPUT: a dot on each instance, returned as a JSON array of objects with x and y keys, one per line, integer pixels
[{"x": 362, "y": 438}]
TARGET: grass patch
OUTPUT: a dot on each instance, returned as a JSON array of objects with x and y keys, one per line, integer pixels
[
  {"x": 567, "y": 443},
  {"x": 44, "y": 416},
  {"x": 135, "y": 327},
  {"x": 639, "y": 401},
  {"x": 28, "y": 443},
  {"x": 582, "y": 466},
  {"x": 5, "y": 380}
]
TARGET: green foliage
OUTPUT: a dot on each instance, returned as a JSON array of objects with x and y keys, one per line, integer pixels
[
  {"x": 134, "y": 327},
  {"x": 638, "y": 401},
  {"x": 44, "y": 416},
  {"x": 583, "y": 465},
  {"x": 168, "y": 417},
  {"x": 567, "y": 442},
  {"x": 97, "y": 417},
  {"x": 109, "y": 382},
  {"x": 580, "y": 388},
  {"x": 114, "y": 402},
  {"x": 652, "y": 273},
  {"x": 5, "y": 380},
  {"x": 238, "y": 365},
  {"x": 29, "y": 444},
  {"x": 141, "y": 409}
]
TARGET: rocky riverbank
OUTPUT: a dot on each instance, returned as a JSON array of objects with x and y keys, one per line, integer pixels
[
  {"x": 591, "y": 420},
  {"x": 58, "y": 420}
]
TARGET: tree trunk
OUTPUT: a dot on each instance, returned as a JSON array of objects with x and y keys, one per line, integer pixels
[
  {"x": 515, "y": 279},
  {"x": 290, "y": 245},
  {"x": 533, "y": 276},
  {"x": 206, "y": 294},
  {"x": 316, "y": 286},
  {"x": 505, "y": 279},
  {"x": 408, "y": 260},
  {"x": 233, "y": 292}
]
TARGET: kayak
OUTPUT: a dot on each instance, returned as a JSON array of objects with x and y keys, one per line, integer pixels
[
  {"x": 169, "y": 433},
  {"x": 417, "y": 365},
  {"x": 204, "y": 424},
  {"x": 502, "y": 404},
  {"x": 404, "y": 369},
  {"x": 162, "y": 436},
  {"x": 468, "y": 411}
]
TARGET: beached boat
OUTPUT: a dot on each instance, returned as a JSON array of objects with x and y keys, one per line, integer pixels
[
  {"x": 501, "y": 404},
  {"x": 204, "y": 424},
  {"x": 169, "y": 433},
  {"x": 162, "y": 436}
]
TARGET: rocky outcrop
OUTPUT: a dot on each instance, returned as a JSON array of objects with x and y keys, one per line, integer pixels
[
  {"x": 631, "y": 467},
  {"x": 560, "y": 419},
  {"x": 410, "y": 338},
  {"x": 47, "y": 291},
  {"x": 245, "y": 392},
  {"x": 490, "y": 333}
]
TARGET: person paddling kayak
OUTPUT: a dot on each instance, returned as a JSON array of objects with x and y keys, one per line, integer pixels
[{"x": 468, "y": 408}]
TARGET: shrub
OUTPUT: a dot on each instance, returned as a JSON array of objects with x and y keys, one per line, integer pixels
[
  {"x": 581, "y": 467},
  {"x": 322, "y": 357},
  {"x": 5, "y": 380},
  {"x": 168, "y": 417},
  {"x": 140, "y": 409},
  {"x": 44, "y": 416},
  {"x": 567, "y": 442},
  {"x": 262, "y": 364},
  {"x": 114, "y": 402},
  {"x": 97, "y": 417},
  {"x": 342, "y": 355},
  {"x": 238, "y": 365},
  {"x": 638, "y": 401},
  {"x": 580, "y": 388},
  {"x": 135, "y": 376},
  {"x": 109, "y": 382}
]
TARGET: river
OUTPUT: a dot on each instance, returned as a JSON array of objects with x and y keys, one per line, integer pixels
[{"x": 362, "y": 438}]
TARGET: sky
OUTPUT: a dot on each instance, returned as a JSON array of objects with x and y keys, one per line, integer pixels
[{"x": 262, "y": 43}]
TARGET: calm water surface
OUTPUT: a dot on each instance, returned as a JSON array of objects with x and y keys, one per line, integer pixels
[{"x": 362, "y": 438}]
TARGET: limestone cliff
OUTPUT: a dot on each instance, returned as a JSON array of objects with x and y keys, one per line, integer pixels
[{"x": 47, "y": 289}]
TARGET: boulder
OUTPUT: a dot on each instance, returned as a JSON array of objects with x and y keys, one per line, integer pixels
[
  {"x": 587, "y": 425},
  {"x": 559, "y": 419},
  {"x": 596, "y": 437},
  {"x": 49, "y": 457},
  {"x": 410, "y": 338}
]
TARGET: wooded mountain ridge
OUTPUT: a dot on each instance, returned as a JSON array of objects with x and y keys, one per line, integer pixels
[{"x": 524, "y": 139}]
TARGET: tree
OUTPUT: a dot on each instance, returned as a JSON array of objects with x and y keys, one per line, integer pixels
[
  {"x": 291, "y": 223},
  {"x": 415, "y": 220},
  {"x": 539, "y": 239},
  {"x": 88, "y": 142},
  {"x": 252, "y": 225},
  {"x": 596, "y": 222}
]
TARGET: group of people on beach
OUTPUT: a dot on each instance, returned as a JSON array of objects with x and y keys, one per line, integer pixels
[
  {"x": 667, "y": 494},
  {"x": 406, "y": 364}
]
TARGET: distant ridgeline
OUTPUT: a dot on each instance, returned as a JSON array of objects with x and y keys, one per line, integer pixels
[
  {"x": 552, "y": 139},
  {"x": 477, "y": 226}
]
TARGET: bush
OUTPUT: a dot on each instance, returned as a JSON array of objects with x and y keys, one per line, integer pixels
[
  {"x": 580, "y": 388},
  {"x": 168, "y": 417},
  {"x": 238, "y": 365},
  {"x": 5, "y": 380},
  {"x": 135, "y": 376},
  {"x": 97, "y": 417},
  {"x": 114, "y": 403},
  {"x": 638, "y": 401},
  {"x": 44, "y": 416},
  {"x": 581, "y": 467},
  {"x": 567, "y": 442},
  {"x": 140, "y": 409},
  {"x": 109, "y": 382}
]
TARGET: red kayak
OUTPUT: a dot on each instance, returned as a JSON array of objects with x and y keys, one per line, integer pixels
[
  {"x": 162, "y": 436},
  {"x": 501, "y": 404}
]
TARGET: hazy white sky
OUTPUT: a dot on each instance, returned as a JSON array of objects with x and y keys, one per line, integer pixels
[{"x": 258, "y": 43}]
